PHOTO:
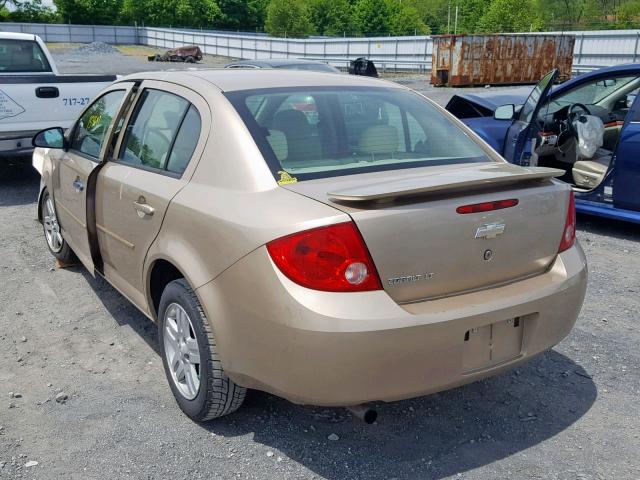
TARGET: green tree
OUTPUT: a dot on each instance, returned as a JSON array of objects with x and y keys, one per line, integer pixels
[
  {"x": 288, "y": 18},
  {"x": 243, "y": 14},
  {"x": 98, "y": 12},
  {"x": 32, "y": 11},
  {"x": 372, "y": 17},
  {"x": 331, "y": 17},
  {"x": 509, "y": 16},
  {"x": 182, "y": 13},
  {"x": 628, "y": 15},
  {"x": 405, "y": 20}
]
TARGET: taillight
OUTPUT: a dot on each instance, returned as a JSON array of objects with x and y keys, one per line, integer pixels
[
  {"x": 569, "y": 232},
  {"x": 332, "y": 258},
  {"x": 487, "y": 206}
]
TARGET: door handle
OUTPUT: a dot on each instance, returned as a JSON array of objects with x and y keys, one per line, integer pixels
[
  {"x": 78, "y": 185},
  {"x": 143, "y": 208},
  {"x": 47, "y": 92}
]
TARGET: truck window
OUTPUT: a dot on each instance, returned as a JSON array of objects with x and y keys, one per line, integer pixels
[{"x": 22, "y": 56}]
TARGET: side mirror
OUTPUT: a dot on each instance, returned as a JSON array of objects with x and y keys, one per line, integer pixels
[
  {"x": 505, "y": 112},
  {"x": 50, "y": 138}
]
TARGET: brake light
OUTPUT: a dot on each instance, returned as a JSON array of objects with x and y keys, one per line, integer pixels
[
  {"x": 569, "y": 232},
  {"x": 487, "y": 206},
  {"x": 332, "y": 258}
]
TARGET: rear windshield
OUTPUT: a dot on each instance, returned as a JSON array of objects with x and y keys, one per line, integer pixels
[
  {"x": 323, "y": 132},
  {"x": 22, "y": 56},
  {"x": 317, "y": 67}
]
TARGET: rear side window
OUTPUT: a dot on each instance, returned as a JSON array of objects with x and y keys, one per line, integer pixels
[
  {"x": 22, "y": 56},
  {"x": 185, "y": 142},
  {"x": 94, "y": 123},
  {"x": 162, "y": 133},
  {"x": 327, "y": 131}
]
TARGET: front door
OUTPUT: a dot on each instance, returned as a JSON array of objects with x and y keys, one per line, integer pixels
[
  {"x": 162, "y": 139},
  {"x": 519, "y": 134},
  {"x": 72, "y": 169},
  {"x": 626, "y": 171}
]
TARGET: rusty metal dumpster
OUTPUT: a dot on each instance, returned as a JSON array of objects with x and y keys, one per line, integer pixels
[{"x": 467, "y": 60}]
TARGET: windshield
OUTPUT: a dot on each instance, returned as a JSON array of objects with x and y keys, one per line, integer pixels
[
  {"x": 318, "y": 67},
  {"x": 22, "y": 56},
  {"x": 595, "y": 92},
  {"x": 319, "y": 132}
]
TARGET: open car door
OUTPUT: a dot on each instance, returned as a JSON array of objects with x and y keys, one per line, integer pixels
[{"x": 516, "y": 144}]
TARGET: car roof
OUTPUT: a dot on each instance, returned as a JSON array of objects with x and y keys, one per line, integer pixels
[
  {"x": 17, "y": 36},
  {"x": 235, "y": 79}
]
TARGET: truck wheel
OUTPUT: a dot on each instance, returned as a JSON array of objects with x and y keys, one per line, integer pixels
[
  {"x": 190, "y": 357},
  {"x": 189, "y": 60},
  {"x": 58, "y": 246}
]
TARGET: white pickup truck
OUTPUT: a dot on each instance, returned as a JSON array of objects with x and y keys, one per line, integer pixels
[{"x": 33, "y": 96}]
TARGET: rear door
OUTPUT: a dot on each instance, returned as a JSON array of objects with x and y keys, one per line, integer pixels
[
  {"x": 163, "y": 138},
  {"x": 71, "y": 171},
  {"x": 516, "y": 147},
  {"x": 626, "y": 170}
]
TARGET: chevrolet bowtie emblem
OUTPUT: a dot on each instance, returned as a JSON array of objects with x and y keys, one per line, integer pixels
[{"x": 490, "y": 230}]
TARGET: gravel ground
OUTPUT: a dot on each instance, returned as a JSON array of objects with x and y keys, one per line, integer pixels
[{"x": 571, "y": 413}]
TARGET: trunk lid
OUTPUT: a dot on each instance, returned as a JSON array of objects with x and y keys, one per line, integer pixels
[{"x": 423, "y": 248}]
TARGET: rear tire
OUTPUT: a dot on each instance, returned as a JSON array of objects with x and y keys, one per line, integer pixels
[
  {"x": 190, "y": 357},
  {"x": 57, "y": 245}
]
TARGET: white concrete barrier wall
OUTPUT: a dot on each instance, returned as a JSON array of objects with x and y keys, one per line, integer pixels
[{"x": 592, "y": 48}]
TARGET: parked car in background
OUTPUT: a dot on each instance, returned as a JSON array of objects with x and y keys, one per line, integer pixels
[
  {"x": 286, "y": 63},
  {"x": 33, "y": 95},
  {"x": 537, "y": 127},
  {"x": 330, "y": 239}
]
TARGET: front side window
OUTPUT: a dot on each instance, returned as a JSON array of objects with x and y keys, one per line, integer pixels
[
  {"x": 327, "y": 131},
  {"x": 22, "y": 56},
  {"x": 91, "y": 129},
  {"x": 162, "y": 133}
]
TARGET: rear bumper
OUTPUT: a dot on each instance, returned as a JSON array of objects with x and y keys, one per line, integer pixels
[
  {"x": 344, "y": 349},
  {"x": 16, "y": 144}
]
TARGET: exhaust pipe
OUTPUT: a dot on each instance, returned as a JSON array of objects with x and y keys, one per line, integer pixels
[{"x": 367, "y": 414}]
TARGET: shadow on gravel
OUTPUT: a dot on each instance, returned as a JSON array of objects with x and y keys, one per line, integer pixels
[
  {"x": 606, "y": 226},
  {"x": 429, "y": 437},
  {"x": 19, "y": 183},
  {"x": 121, "y": 309}
]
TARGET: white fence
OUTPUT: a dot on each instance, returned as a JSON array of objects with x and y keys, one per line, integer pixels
[
  {"x": 51, "y": 32},
  {"x": 592, "y": 48}
]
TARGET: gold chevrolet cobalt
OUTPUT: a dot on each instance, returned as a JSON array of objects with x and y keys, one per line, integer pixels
[{"x": 334, "y": 240}]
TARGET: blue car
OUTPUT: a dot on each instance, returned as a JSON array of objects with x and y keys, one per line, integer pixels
[{"x": 538, "y": 127}]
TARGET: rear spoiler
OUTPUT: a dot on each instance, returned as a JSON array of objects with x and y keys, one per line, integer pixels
[{"x": 460, "y": 179}]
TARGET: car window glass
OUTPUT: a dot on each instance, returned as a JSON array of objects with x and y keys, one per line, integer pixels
[
  {"x": 153, "y": 125},
  {"x": 417, "y": 135},
  {"x": 534, "y": 97},
  {"x": 22, "y": 56},
  {"x": 185, "y": 142},
  {"x": 597, "y": 92},
  {"x": 94, "y": 123},
  {"x": 315, "y": 133},
  {"x": 302, "y": 103}
]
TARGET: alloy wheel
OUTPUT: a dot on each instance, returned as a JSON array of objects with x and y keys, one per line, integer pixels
[
  {"x": 51, "y": 226},
  {"x": 182, "y": 351}
]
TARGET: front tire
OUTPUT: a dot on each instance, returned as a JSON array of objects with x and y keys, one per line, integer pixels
[
  {"x": 190, "y": 357},
  {"x": 58, "y": 246}
]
